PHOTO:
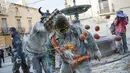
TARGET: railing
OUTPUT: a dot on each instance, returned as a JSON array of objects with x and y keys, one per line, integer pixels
[{"x": 5, "y": 30}]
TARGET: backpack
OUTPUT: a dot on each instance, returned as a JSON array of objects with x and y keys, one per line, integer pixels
[{"x": 112, "y": 28}]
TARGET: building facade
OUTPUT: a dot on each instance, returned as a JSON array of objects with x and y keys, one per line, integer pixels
[
  {"x": 18, "y": 16},
  {"x": 100, "y": 8}
]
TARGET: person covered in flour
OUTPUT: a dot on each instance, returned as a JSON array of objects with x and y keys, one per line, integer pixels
[
  {"x": 18, "y": 56},
  {"x": 73, "y": 50},
  {"x": 35, "y": 47}
]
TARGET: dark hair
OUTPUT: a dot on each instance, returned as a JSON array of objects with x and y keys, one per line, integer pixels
[{"x": 12, "y": 29}]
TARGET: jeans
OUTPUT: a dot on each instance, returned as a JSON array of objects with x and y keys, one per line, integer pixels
[
  {"x": 23, "y": 65},
  {"x": 39, "y": 61},
  {"x": 122, "y": 45}
]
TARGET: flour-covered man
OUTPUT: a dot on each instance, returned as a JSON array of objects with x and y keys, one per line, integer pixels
[
  {"x": 35, "y": 46},
  {"x": 66, "y": 40}
]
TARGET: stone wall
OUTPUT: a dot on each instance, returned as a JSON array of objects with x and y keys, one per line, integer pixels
[{"x": 5, "y": 41}]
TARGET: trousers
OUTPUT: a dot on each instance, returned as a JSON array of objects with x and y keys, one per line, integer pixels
[
  {"x": 39, "y": 62},
  {"x": 23, "y": 65}
]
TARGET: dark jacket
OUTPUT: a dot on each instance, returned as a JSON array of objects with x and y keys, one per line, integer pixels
[
  {"x": 1, "y": 53},
  {"x": 17, "y": 47}
]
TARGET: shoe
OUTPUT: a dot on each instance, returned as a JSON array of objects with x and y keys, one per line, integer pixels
[{"x": 0, "y": 66}]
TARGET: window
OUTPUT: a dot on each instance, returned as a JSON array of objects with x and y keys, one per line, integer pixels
[
  {"x": 30, "y": 25},
  {"x": 104, "y": 6},
  {"x": 4, "y": 25},
  {"x": 19, "y": 25}
]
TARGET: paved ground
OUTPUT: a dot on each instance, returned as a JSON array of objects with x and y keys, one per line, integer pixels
[
  {"x": 120, "y": 66},
  {"x": 121, "y": 63},
  {"x": 7, "y": 66}
]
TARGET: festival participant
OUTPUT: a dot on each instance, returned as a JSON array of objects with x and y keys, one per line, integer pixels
[
  {"x": 35, "y": 45},
  {"x": 72, "y": 43},
  {"x": 18, "y": 57}
]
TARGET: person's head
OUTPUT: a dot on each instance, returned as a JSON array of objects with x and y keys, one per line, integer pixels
[
  {"x": 12, "y": 31},
  {"x": 61, "y": 24},
  {"x": 120, "y": 13},
  {"x": 47, "y": 11}
]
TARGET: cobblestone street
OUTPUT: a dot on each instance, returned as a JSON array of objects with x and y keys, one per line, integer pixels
[{"x": 113, "y": 64}]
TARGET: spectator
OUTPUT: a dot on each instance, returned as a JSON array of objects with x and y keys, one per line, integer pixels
[{"x": 120, "y": 23}]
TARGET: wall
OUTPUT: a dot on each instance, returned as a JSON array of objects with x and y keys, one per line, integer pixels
[
  {"x": 94, "y": 12},
  {"x": 125, "y": 6},
  {"x": 23, "y": 13},
  {"x": 5, "y": 41},
  {"x": 119, "y": 4}
]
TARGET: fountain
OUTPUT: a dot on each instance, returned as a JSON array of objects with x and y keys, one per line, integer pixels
[
  {"x": 75, "y": 10},
  {"x": 106, "y": 44}
]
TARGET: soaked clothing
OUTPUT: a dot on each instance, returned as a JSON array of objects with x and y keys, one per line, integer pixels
[
  {"x": 35, "y": 48},
  {"x": 18, "y": 57},
  {"x": 23, "y": 65},
  {"x": 36, "y": 40},
  {"x": 72, "y": 37},
  {"x": 17, "y": 47}
]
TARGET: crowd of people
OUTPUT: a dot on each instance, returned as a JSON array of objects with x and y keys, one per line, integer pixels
[{"x": 53, "y": 35}]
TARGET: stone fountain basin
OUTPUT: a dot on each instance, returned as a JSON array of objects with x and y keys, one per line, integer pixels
[
  {"x": 106, "y": 45},
  {"x": 75, "y": 9}
]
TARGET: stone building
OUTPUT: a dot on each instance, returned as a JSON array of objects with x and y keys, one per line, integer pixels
[
  {"x": 18, "y": 16},
  {"x": 100, "y": 8}
]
